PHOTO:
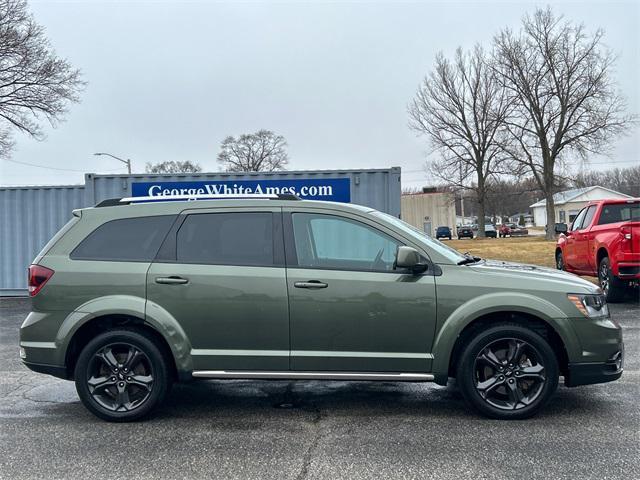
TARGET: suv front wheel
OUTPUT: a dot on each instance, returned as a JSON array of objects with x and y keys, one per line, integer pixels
[
  {"x": 121, "y": 375},
  {"x": 507, "y": 372}
]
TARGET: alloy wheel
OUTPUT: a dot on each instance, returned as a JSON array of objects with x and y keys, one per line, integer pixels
[
  {"x": 559, "y": 261},
  {"x": 120, "y": 377},
  {"x": 509, "y": 374},
  {"x": 603, "y": 276}
]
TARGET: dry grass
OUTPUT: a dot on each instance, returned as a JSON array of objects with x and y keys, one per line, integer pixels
[{"x": 533, "y": 250}]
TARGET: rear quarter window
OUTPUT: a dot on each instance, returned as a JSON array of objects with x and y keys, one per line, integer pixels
[
  {"x": 619, "y": 212},
  {"x": 127, "y": 239}
]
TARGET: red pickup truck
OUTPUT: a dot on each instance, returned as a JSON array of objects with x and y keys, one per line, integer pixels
[{"x": 604, "y": 241}]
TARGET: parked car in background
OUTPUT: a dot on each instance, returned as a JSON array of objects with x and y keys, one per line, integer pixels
[
  {"x": 130, "y": 297},
  {"x": 490, "y": 231},
  {"x": 443, "y": 232},
  {"x": 604, "y": 241},
  {"x": 512, "y": 230},
  {"x": 465, "y": 232}
]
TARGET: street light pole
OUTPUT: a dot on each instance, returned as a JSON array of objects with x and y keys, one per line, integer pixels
[{"x": 127, "y": 162}]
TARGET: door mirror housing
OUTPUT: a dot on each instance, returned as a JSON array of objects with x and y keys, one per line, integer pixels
[
  {"x": 409, "y": 258},
  {"x": 561, "y": 228}
]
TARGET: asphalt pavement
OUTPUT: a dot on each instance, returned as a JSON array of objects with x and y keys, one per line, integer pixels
[{"x": 323, "y": 430}]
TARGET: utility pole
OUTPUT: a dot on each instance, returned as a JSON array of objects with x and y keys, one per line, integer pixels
[{"x": 127, "y": 162}]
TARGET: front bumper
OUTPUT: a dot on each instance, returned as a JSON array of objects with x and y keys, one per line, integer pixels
[{"x": 595, "y": 372}]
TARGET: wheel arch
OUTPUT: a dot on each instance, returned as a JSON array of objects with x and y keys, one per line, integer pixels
[
  {"x": 97, "y": 325},
  {"x": 530, "y": 311},
  {"x": 527, "y": 320},
  {"x": 601, "y": 253},
  {"x": 121, "y": 310}
]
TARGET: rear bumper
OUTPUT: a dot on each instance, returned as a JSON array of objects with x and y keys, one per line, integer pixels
[
  {"x": 595, "y": 372},
  {"x": 628, "y": 271}
]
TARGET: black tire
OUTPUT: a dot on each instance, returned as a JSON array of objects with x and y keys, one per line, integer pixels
[
  {"x": 613, "y": 288},
  {"x": 114, "y": 356},
  {"x": 518, "y": 391},
  {"x": 559, "y": 260}
]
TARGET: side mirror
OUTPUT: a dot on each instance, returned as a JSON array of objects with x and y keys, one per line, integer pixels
[
  {"x": 409, "y": 258},
  {"x": 561, "y": 228}
]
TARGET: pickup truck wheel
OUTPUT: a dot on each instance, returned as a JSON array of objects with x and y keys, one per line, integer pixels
[
  {"x": 121, "y": 375},
  {"x": 559, "y": 261},
  {"x": 612, "y": 287},
  {"x": 507, "y": 372}
]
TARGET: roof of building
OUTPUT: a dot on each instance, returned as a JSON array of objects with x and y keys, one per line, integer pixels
[{"x": 566, "y": 196}]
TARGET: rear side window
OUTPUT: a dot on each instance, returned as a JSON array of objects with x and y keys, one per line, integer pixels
[
  {"x": 226, "y": 239},
  {"x": 619, "y": 212},
  {"x": 127, "y": 240}
]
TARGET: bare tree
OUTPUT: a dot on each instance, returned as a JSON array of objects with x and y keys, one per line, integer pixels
[
  {"x": 461, "y": 108},
  {"x": 173, "y": 167},
  {"x": 623, "y": 180},
  {"x": 559, "y": 79},
  {"x": 263, "y": 151},
  {"x": 34, "y": 82}
]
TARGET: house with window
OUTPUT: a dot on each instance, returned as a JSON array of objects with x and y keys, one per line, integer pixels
[{"x": 569, "y": 203}]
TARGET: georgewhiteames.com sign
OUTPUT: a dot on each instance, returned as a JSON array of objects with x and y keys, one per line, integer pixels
[{"x": 331, "y": 189}]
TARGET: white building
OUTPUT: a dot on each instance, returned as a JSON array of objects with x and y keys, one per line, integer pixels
[
  {"x": 428, "y": 211},
  {"x": 570, "y": 202}
]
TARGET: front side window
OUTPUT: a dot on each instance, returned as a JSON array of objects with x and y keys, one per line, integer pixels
[
  {"x": 328, "y": 241},
  {"x": 588, "y": 217},
  {"x": 577, "y": 223},
  {"x": 422, "y": 238},
  {"x": 126, "y": 240},
  {"x": 226, "y": 239}
]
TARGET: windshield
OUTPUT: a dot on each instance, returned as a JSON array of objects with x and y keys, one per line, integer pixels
[{"x": 431, "y": 243}]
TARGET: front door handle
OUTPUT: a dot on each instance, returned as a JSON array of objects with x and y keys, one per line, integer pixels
[
  {"x": 171, "y": 280},
  {"x": 313, "y": 284}
]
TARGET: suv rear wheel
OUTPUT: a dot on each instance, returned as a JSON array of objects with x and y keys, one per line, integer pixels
[
  {"x": 507, "y": 372},
  {"x": 121, "y": 375}
]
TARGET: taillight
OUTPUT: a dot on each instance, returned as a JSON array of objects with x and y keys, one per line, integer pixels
[
  {"x": 625, "y": 231},
  {"x": 38, "y": 276}
]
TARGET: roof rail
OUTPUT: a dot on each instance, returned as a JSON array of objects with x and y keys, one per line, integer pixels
[
  {"x": 189, "y": 198},
  {"x": 109, "y": 202}
]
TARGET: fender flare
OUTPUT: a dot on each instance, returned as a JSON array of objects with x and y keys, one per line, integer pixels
[
  {"x": 156, "y": 317},
  {"x": 512, "y": 302}
]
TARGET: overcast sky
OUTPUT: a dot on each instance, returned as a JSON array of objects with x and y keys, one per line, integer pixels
[{"x": 169, "y": 80}]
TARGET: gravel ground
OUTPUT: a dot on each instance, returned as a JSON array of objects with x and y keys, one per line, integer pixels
[{"x": 295, "y": 430}]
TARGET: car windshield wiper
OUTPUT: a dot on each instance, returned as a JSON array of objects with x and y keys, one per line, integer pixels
[{"x": 468, "y": 258}]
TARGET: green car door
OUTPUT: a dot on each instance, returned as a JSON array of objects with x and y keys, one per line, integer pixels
[
  {"x": 350, "y": 310},
  {"x": 220, "y": 273}
]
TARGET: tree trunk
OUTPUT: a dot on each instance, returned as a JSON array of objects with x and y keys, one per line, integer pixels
[
  {"x": 549, "y": 190},
  {"x": 481, "y": 206}
]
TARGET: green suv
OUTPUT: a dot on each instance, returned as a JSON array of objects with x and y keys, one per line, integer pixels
[{"x": 132, "y": 295}]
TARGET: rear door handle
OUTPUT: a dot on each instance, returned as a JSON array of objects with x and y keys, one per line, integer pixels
[
  {"x": 312, "y": 284},
  {"x": 171, "y": 280}
]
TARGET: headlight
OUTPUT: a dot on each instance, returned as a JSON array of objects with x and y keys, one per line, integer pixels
[{"x": 592, "y": 306}]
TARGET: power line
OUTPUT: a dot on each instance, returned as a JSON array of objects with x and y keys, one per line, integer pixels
[
  {"x": 42, "y": 166},
  {"x": 48, "y": 167}
]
